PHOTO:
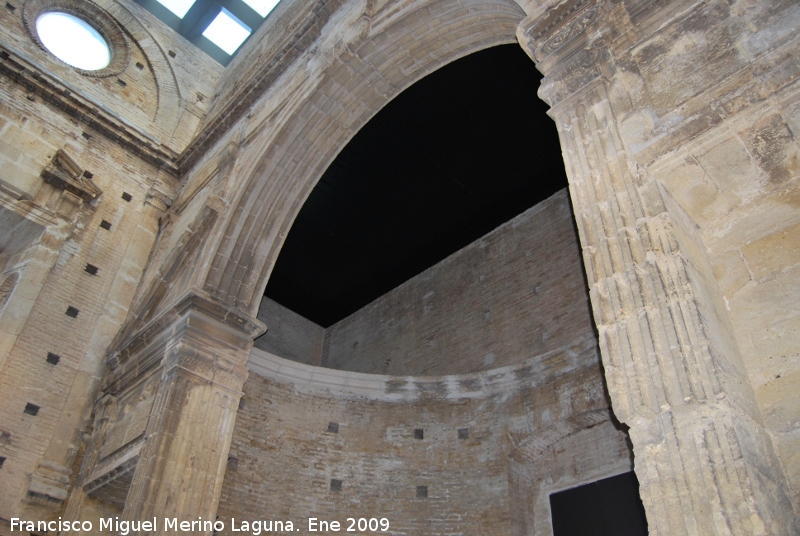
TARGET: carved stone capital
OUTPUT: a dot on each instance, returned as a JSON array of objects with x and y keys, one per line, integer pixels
[
  {"x": 197, "y": 334},
  {"x": 561, "y": 31}
]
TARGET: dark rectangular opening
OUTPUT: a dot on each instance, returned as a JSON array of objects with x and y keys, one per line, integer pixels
[
  {"x": 422, "y": 491},
  {"x": 105, "y": 225},
  {"x": 608, "y": 507},
  {"x": 31, "y": 409},
  {"x": 463, "y": 433},
  {"x": 419, "y": 433},
  {"x": 2, "y": 460},
  {"x": 333, "y": 427},
  {"x": 91, "y": 269},
  {"x": 127, "y": 197},
  {"x": 336, "y": 485},
  {"x": 71, "y": 311},
  {"x": 52, "y": 358}
]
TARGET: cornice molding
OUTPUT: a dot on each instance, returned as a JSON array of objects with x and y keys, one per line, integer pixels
[{"x": 52, "y": 91}]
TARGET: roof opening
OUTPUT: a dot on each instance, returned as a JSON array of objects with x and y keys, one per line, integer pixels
[{"x": 227, "y": 32}]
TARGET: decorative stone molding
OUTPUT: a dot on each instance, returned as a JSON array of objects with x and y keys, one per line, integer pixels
[
  {"x": 51, "y": 90},
  {"x": 64, "y": 173},
  {"x": 560, "y": 28},
  {"x": 93, "y": 15},
  {"x": 158, "y": 199},
  {"x": 111, "y": 478},
  {"x": 49, "y": 485}
]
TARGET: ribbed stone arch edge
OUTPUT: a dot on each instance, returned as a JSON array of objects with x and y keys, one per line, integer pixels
[
  {"x": 93, "y": 15},
  {"x": 365, "y": 76}
]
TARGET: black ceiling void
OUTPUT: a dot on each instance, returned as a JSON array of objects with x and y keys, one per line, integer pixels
[{"x": 460, "y": 152}]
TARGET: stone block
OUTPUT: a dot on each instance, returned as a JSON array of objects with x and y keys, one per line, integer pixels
[
  {"x": 773, "y": 253},
  {"x": 730, "y": 271}
]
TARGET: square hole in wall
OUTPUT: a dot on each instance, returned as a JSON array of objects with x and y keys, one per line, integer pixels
[
  {"x": 2, "y": 460},
  {"x": 91, "y": 269},
  {"x": 333, "y": 427},
  {"x": 72, "y": 312},
  {"x": 336, "y": 485},
  {"x": 233, "y": 463},
  {"x": 422, "y": 491},
  {"x": 463, "y": 433},
  {"x": 52, "y": 358},
  {"x": 105, "y": 225},
  {"x": 419, "y": 433},
  {"x": 31, "y": 409},
  {"x": 127, "y": 197}
]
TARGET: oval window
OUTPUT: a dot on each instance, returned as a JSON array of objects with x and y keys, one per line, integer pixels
[{"x": 73, "y": 41}]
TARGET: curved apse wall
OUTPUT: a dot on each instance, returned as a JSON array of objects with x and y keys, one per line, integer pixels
[
  {"x": 517, "y": 291},
  {"x": 303, "y": 429}
]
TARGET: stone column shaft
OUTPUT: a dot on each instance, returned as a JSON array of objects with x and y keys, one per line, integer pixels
[{"x": 705, "y": 463}]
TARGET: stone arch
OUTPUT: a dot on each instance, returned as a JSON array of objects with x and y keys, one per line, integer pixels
[{"x": 356, "y": 84}]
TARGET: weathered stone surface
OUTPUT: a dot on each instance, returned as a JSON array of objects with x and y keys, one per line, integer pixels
[{"x": 678, "y": 124}]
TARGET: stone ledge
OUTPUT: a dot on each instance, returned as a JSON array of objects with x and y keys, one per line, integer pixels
[
  {"x": 21, "y": 71},
  {"x": 338, "y": 383}
]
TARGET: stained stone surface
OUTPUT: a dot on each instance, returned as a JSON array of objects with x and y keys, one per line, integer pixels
[{"x": 678, "y": 126}]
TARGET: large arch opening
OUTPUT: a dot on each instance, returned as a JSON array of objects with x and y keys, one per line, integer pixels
[
  {"x": 450, "y": 161},
  {"x": 475, "y": 336}
]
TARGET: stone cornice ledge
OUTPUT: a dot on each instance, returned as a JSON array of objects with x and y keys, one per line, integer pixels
[
  {"x": 53, "y": 91},
  {"x": 321, "y": 381},
  {"x": 144, "y": 350}
]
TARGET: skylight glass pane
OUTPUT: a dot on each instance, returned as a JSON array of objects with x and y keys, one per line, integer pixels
[
  {"x": 262, "y": 7},
  {"x": 227, "y": 32},
  {"x": 179, "y": 7}
]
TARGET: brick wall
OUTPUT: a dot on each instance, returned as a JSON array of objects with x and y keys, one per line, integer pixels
[
  {"x": 283, "y": 456},
  {"x": 89, "y": 258},
  {"x": 516, "y": 292},
  {"x": 289, "y": 335}
]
